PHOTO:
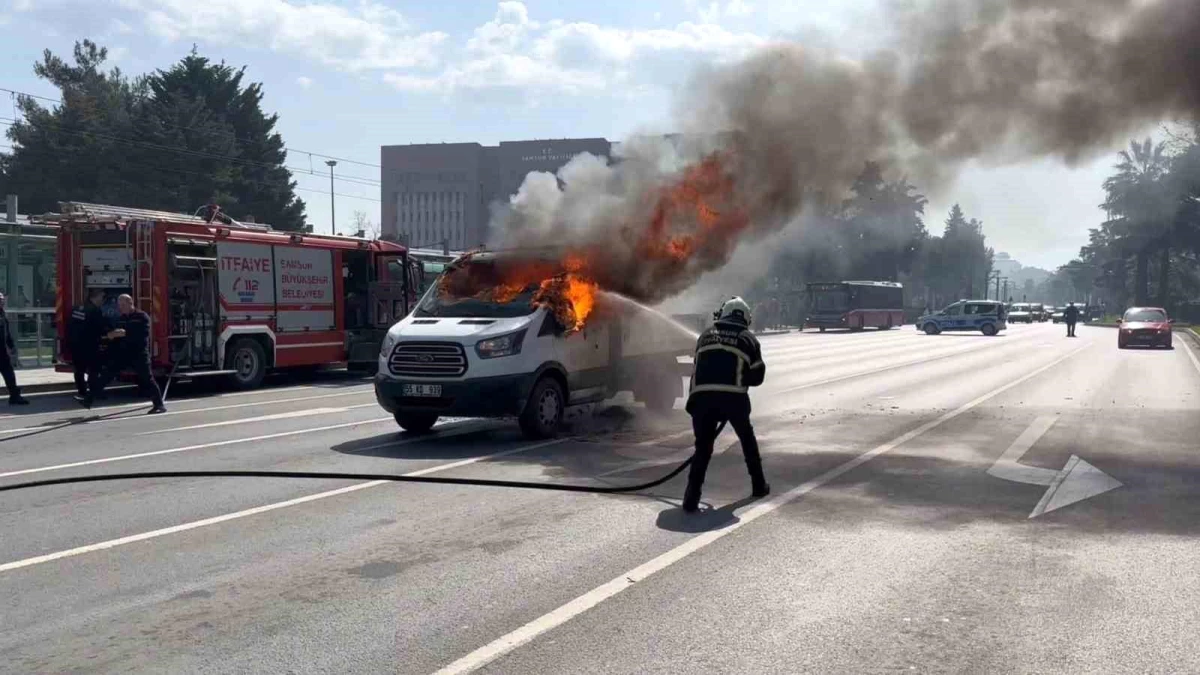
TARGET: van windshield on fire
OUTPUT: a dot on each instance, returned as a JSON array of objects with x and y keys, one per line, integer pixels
[{"x": 476, "y": 289}]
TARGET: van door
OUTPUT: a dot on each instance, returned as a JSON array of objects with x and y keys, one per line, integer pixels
[{"x": 585, "y": 354}]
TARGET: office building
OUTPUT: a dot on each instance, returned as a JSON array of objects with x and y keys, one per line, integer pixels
[{"x": 443, "y": 192}]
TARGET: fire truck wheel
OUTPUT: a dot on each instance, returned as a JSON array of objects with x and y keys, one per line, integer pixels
[
  {"x": 544, "y": 410},
  {"x": 249, "y": 363},
  {"x": 416, "y": 422}
]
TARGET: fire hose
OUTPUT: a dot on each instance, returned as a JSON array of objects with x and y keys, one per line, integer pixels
[{"x": 325, "y": 475}]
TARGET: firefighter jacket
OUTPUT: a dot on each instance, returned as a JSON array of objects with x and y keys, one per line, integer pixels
[
  {"x": 86, "y": 329},
  {"x": 728, "y": 359},
  {"x": 136, "y": 343}
]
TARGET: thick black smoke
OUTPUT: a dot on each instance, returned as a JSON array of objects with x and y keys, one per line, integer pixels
[{"x": 1003, "y": 79}]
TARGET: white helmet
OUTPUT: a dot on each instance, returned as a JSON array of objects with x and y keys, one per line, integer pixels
[{"x": 733, "y": 310}]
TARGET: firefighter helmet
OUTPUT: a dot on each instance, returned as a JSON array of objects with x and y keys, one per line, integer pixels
[{"x": 733, "y": 310}]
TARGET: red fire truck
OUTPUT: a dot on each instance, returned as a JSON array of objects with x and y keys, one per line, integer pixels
[{"x": 232, "y": 298}]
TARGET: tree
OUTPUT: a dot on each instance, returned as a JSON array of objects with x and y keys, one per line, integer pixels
[
  {"x": 363, "y": 227},
  {"x": 172, "y": 140},
  {"x": 1138, "y": 198}
]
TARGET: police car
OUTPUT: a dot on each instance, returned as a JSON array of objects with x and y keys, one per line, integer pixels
[{"x": 985, "y": 316}]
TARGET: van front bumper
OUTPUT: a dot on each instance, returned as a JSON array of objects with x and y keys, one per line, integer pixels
[{"x": 501, "y": 396}]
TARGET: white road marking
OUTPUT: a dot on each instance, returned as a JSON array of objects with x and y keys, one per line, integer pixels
[
  {"x": 263, "y": 418},
  {"x": 202, "y": 446},
  {"x": 112, "y": 543},
  {"x": 1191, "y": 355},
  {"x": 594, "y": 597},
  {"x": 1008, "y": 467},
  {"x": 884, "y": 369},
  {"x": 189, "y": 411},
  {"x": 1076, "y": 482}
]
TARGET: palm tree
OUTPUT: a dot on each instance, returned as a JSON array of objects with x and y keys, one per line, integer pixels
[{"x": 1141, "y": 209}]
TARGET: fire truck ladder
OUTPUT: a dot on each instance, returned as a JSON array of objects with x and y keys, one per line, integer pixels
[{"x": 142, "y": 233}]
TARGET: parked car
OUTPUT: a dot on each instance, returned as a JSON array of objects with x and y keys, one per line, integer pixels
[
  {"x": 1038, "y": 310},
  {"x": 1057, "y": 315},
  {"x": 1146, "y": 326}
]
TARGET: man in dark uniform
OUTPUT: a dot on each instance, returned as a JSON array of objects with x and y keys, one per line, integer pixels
[
  {"x": 88, "y": 327},
  {"x": 1070, "y": 316},
  {"x": 130, "y": 349},
  {"x": 7, "y": 353},
  {"x": 728, "y": 362}
]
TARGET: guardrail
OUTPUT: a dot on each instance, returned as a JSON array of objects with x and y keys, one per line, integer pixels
[{"x": 35, "y": 335}]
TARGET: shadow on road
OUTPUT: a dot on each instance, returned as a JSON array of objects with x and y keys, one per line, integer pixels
[{"x": 704, "y": 520}]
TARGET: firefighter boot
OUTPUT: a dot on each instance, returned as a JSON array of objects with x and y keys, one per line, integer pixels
[{"x": 691, "y": 500}]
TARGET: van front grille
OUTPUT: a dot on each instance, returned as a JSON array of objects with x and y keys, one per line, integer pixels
[{"x": 428, "y": 359}]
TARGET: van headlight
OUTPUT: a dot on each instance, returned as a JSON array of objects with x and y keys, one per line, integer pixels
[
  {"x": 504, "y": 345},
  {"x": 389, "y": 342}
]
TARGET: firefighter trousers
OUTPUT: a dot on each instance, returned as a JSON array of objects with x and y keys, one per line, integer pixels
[
  {"x": 86, "y": 368},
  {"x": 140, "y": 365},
  {"x": 705, "y": 423}
]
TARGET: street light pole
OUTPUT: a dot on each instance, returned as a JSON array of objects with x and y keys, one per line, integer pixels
[{"x": 332, "y": 212}]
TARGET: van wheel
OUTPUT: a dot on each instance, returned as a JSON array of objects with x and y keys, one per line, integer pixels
[
  {"x": 544, "y": 410},
  {"x": 988, "y": 329},
  {"x": 931, "y": 329},
  {"x": 249, "y": 363},
  {"x": 416, "y": 422}
]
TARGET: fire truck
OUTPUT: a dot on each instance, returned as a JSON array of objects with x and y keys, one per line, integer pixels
[{"x": 232, "y": 298}]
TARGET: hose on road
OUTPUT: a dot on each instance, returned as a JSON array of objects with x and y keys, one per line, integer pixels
[{"x": 325, "y": 475}]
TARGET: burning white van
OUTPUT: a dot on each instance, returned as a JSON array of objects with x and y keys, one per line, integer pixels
[{"x": 502, "y": 335}]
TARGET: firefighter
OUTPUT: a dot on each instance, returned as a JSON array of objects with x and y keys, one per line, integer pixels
[
  {"x": 8, "y": 352},
  {"x": 87, "y": 328},
  {"x": 130, "y": 348},
  {"x": 728, "y": 362}
]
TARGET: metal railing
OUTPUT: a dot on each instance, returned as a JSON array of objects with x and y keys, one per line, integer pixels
[{"x": 35, "y": 336}]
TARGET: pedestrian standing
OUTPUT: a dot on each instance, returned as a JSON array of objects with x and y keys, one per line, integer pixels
[
  {"x": 130, "y": 348},
  {"x": 728, "y": 362},
  {"x": 9, "y": 355},
  {"x": 1070, "y": 316},
  {"x": 88, "y": 327}
]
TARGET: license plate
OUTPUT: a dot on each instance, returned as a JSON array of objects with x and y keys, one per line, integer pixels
[{"x": 430, "y": 390}]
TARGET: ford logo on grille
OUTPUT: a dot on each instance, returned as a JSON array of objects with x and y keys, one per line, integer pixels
[{"x": 425, "y": 358}]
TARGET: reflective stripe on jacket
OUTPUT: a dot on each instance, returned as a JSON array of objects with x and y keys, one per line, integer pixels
[{"x": 728, "y": 359}]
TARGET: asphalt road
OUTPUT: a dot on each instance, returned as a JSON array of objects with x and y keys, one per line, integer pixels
[{"x": 955, "y": 503}]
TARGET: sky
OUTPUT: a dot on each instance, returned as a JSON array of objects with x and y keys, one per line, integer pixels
[{"x": 349, "y": 76}]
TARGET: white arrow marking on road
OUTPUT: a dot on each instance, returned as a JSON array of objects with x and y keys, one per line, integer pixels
[{"x": 1077, "y": 481}]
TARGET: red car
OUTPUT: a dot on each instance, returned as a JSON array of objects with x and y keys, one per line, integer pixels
[{"x": 1148, "y": 326}]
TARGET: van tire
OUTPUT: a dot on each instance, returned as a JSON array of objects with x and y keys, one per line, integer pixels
[
  {"x": 543, "y": 412},
  {"x": 247, "y": 358},
  {"x": 988, "y": 329},
  {"x": 931, "y": 328},
  {"x": 416, "y": 422}
]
